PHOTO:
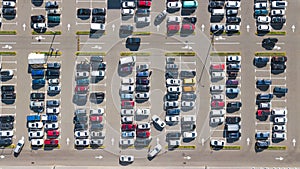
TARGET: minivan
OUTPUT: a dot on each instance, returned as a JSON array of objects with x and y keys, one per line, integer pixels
[
  {"x": 37, "y": 73},
  {"x": 189, "y": 4},
  {"x": 232, "y": 127}
]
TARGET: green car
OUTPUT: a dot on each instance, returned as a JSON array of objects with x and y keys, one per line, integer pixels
[
  {"x": 190, "y": 4},
  {"x": 53, "y": 19}
]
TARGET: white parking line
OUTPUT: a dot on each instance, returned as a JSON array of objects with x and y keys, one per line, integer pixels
[
  {"x": 8, "y": 43},
  {"x": 12, "y": 23},
  {"x": 179, "y": 43},
  {"x": 15, "y": 62},
  {"x": 226, "y": 43},
  {"x": 39, "y": 8},
  {"x": 7, "y": 107},
  {"x": 78, "y": 23},
  {"x": 92, "y": 43},
  {"x": 283, "y": 85},
  {"x": 261, "y": 70},
  {"x": 45, "y": 43},
  {"x": 143, "y": 43}
]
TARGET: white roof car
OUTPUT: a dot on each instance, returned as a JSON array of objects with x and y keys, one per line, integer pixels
[
  {"x": 36, "y": 104},
  {"x": 173, "y": 82},
  {"x": 277, "y": 12},
  {"x": 216, "y": 27},
  {"x": 219, "y": 112},
  {"x": 126, "y": 134},
  {"x": 98, "y": 26},
  {"x": 263, "y": 27},
  {"x": 142, "y": 95},
  {"x": 171, "y": 104},
  {"x": 6, "y": 133},
  {"x": 158, "y": 121},
  {"x": 98, "y": 73},
  {"x": 261, "y": 5},
  {"x": 143, "y": 126},
  {"x": 36, "y": 134},
  {"x": 155, "y": 150},
  {"x": 174, "y": 19},
  {"x": 280, "y": 120},
  {"x": 142, "y": 112},
  {"x": 187, "y": 104},
  {"x": 217, "y": 97},
  {"x": 127, "y": 119},
  {"x": 279, "y": 112},
  {"x": 19, "y": 146},
  {"x": 233, "y": 4},
  {"x": 217, "y": 143},
  {"x": 128, "y": 4},
  {"x": 98, "y": 111},
  {"x": 174, "y": 89},
  {"x": 263, "y": 19},
  {"x": 143, "y": 19},
  {"x": 8, "y": 72},
  {"x": 82, "y": 74},
  {"x": 217, "y": 88},
  {"x": 82, "y": 142},
  {"x": 127, "y": 80},
  {"x": 52, "y": 110},
  {"x": 174, "y": 5},
  {"x": 279, "y": 4},
  {"x": 35, "y": 125},
  {"x": 49, "y": 126},
  {"x": 217, "y": 120},
  {"x": 127, "y": 11},
  {"x": 277, "y": 135},
  {"x": 126, "y": 142},
  {"x": 127, "y": 158},
  {"x": 234, "y": 58},
  {"x": 264, "y": 105},
  {"x": 279, "y": 127},
  {"x": 192, "y": 134},
  {"x": 127, "y": 88},
  {"x": 53, "y": 81},
  {"x": 97, "y": 134},
  {"x": 54, "y": 12},
  {"x": 232, "y": 27},
  {"x": 188, "y": 118},
  {"x": 230, "y": 12},
  {"x": 37, "y": 142},
  {"x": 9, "y": 4},
  {"x": 217, "y": 75},
  {"x": 39, "y": 25},
  {"x": 127, "y": 112},
  {"x": 81, "y": 134},
  {"x": 172, "y": 118}
]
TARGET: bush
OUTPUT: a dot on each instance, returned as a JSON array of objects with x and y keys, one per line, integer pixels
[
  {"x": 8, "y": 53},
  {"x": 8, "y": 32}
]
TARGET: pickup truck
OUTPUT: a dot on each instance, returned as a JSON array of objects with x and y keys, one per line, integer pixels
[
  {"x": 33, "y": 118},
  {"x": 49, "y": 118}
]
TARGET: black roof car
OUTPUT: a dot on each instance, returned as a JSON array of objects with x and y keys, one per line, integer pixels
[
  {"x": 53, "y": 103},
  {"x": 38, "y": 18},
  {"x": 133, "y": 41},
  {"x": 80, "y": 98},
  {"x": 142, "y": 88},
  {"x": 7, "y": 118},
  {"x": 8, "y": 96},
  {"x": 83, "y": 12},
  {"x": 5, "y": 141},
  {"x": 216, "y": 4},
  {"x": 161, "y": 16},
  {"x": 80, "y": 119},
  {"x": 6, "y": 126},
  {"x": 173, "y": 135},
  {"x": 279, "y": 20},
  {"x": 96, "y": 126},
  {"x": 172, "y": 97},
  {"x": 142, "y": 81},
  {"x": 80, "y": 126},
  {"x": 171, "y": 74},
  {"x": 234, "y": 105},
  {"x": 262, "y": 135},
  {"x": 99, "y": 11},
  {"x": 188, "y": 73},
  {"x": 98, "y": 66},
  {"x": 142, "y": 12},
  {"x": 281, "y": 90},
  {"x": 126, "y": 29},
  {"x": 97, "y": 96},
  {"x": 7, "y": 88},
  {"x": 98, "y": 19},
  {"x": 233, "y": 135},
  {"x": 53, "y": 65},
  {"x": 52, "y": 73},
  {"x": 262, "y": 144},
  {"x": 192, "y": 20},
  {"x": 233, "y": 20},
  {"x": 278, "y": 66},
  {"x": 279, "y": 59},
  {"x": 233, "y": 119},
  {"x": 188, "y": 127},
  {"x": 96, "y": 59},
  {"x": 37, "y": 96},
  {"x": 8, "y": 11}
]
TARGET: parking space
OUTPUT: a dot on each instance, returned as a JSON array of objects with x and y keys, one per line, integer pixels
[{"x": 8, "y": 19}]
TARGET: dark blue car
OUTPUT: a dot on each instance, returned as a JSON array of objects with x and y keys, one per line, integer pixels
[
  {"x": 261, "y": 60},
  {"x": 264, "y": 96},
  {"x": 39, "y": 82},
  {"x": 37, "y": 72},
  {"x": 173, "y": 111},
  {"x": 263, "y": 82}
]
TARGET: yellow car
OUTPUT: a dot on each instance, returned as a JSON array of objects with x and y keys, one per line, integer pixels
[
  {"x": 189, "y": 81},
  {"x": 189, "y": 88}
]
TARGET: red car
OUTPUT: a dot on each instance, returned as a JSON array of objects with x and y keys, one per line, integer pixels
[
  {"x": 217, "y": 67},
  {"x": 52, "y": 133},
  {"x": 146, "y": 4},
  {"x": 127, "y": 104},
  {"x": 96, "y": 118},
  {"x": 217, "y": 104},
  {"x": 128, "y": 127},
  {"x": 173, "y": 27},
  {"x": 81, "y": 88},
  {"x": 143, "y": 133},
  {"x": 263, "y": 112},
  {"x": 188, "y": 27},
  {"x": 51, "y": 142}
]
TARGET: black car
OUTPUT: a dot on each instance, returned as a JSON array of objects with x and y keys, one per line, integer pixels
[
  {"x": 233, "y": 135},
  {"x": 133, "y": 41},
  {"x": 188, "y": 74},
  {"x": 233, "y": 119},
  {"x": 8, "y": 96},
  {"x": 142, "y": 88},
  {"x": 216, "y": 4},
  {"x": 83, "y": 12},
  {"x": 83, "y": 67},
  {"x": 54, "y": 65},
  {"x": 38, "y": 18},
  {"x": 172, "y": 97},
  {"x": 233, "y": 20},
  {"x": 280, "y": 90},
  {"x": 126, "y": 29},
  {"x": 188, "y": 127},
  {"x": 37, "y": 96},
  {"x": 279, "y": 20},
  {"x": 98, "y": 66},
  {"x": 161, "y": 16},
  {"x": 8, "y": 11},
  {"x": 6, "y": 126},
  {"x": 80, "y": 98},
  {"x": 192, "y": 20},
  {"x": 234, "y": 105},
  {"x": 97, "y": 96},
  {"x": 7, "y": 119},
  {"x": 171, "y": 75},
  {"x": 5, "y": 142},
  {"x": 188, "y": 96},
  {"x": 80, "y": 119},
  {"x": 99, "y": 11},
  {"x": 7, "y": 88},
  {"x": 278, "y": 66},
  {"x": 279, "y": 59},
  {"x": 142, "y": 12},
  {"x": 80, "y": 126},
  {"x": 269, "y": 41},
  {"x": 142, "y": 81},
  {"x": 52, "y": 73},
  {"x": 98, "y": 19}
]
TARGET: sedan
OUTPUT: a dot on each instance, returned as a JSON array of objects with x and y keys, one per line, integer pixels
[
  {"x": 275, "y": 12},
  {"x": 37, "y": 142},
  {"x": 143, "y": 126},
  {"x": 51, "y": 142},
  {"x": 279, "y": 59},
  {"x": 125, "y": 134},
  {"x": 51, "y": 126},
  {"x": 216, "y": 120},
  {"x": 125, "y": 12},
  {"x": 232, "y": 90},
  {"x": 174, "y": 27},
  {"x": 261, "y": 5},
  {"x": 232, "y": 28},
  {"x": 280, "y": 120},
  {"x": 53, "y": 133},
  {"x": 217, "y": 143},
  {"x": 233, "y": 4},
  {"x": 128, "y": 127},
  {"x": 278, "y": 20},
  {"x": 190, "y": 134},
  {"x": 142, "y": 96},
  {"x": 126, "y": 142},
  {"x": 6, "y": 133},
  {"x": 171, "y": 104},
  {"x": 173, "y": 82},
  {"x": 266, "y": 28},
  {"x": 233, "y": 119},
  {"x": 82, "y": 142},
  {"x": 217, "y": 104},
  {"x": 145, "y": 4},
  {"x": 279, "y": 4},
  {"x": 174, "y": 5},
  {"x": 234, "y": 20},
  {"x": 81, "y": 134},
  {"x": 95, "y": 118},
  {"x": 232, "y": 82},
  {"x": 217, "y": 27},
  {"x": 142, "y": 134},
  {"x": 8, "y": 4},
  {"x": 54, "y": 89},
  {"x": 261, "y": 12},
  {"x": 231, "y": 12},
  {"x": 126, "y": 158},
  {"x": 157, "y": 120},
  {"x": 187, "y": 104},
  {"x": 19, "y": 145},
  {"x": 263, "y": 19},
  {"x": 172, "y": 119},
  {"x": 216, "y": 4},
  {"x": 176, "y": 89},
  {"x": 36, "y": 134},
  {"x": 127, "y": 119},
  {"x": 279, "y": 135},
  {"x": 128, "y": 4},
  {"x": 279, "y": 66},
  {"x": 279, "y": 128},
  {"x": 188, "y": 27},
  {"x": 35, "y": 125}
]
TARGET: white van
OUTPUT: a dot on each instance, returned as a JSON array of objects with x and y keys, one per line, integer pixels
[
  {"x": 127, "y": 60},
  {"x": 233, "y": 127},
  {"x": 98, "y": 26},
  {"x": 218, "y": 11},
  {"x": 279, "y": 112},
  {"x": 188, "y": 118}
]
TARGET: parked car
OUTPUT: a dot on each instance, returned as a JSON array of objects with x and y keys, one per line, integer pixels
[
  {"x": 262, "y": 135},
  {"x": 157, "y": 120},
  {"x": 19, "y": 145}
]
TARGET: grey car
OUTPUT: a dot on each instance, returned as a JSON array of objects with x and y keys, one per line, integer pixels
[{"x": 53, "y": 103}]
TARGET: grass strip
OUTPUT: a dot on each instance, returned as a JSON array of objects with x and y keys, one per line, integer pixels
[
  {"x": 141, "y": 33},
  {"x": 187, "y": 147},
  {"x": 95, "y": 147},
  {"x": 132, "y": 147},
  {"x": 47, "y": 33},
  {"x": 135, "y": 53},
  {"x": 14, "y": 32},
  {"x": 83, "y": 32},
  {"x": 224, "y": 53},
  {"x": 277, "y": 148},
  {"x": 270, "y": 53},
  {"x": 10, "y": 146},
  {"x": 8, "y": 53},
  {"x": 90, "y": 53},
  {"x": 274, "y": 33},
  {"x": 232, "y": 148},
  {"x": 48, "y": 53},
  {"x": 180, "y": 53}
]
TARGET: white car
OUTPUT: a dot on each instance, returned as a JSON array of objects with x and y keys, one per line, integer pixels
[
  {"x": 216, "y": 120},
  {"x": 217, "y": 75},
  {"x": 98, "y": 111},
  {"x": 277, "y": 12},
  {"x": 192, "y": 134},
  {"x": 217, "y": 97},
  {"x": 277, "y": 135},
  {"x": 82, "y": 142},
  {"x": 54, "y": 12},
  {"x": 234, "y": 58},
  {"x": 171, "y": 104},
  {"x": 35, "y": 125},
  {"x": 128, "y": 80},
  {"x": 263, "y": 19},
  {"x": 280, "y": 120},
  {"x": 8, "y": 4},
  {"x": 142, "y": 112},
  {"x": 53, "y": 110},
  {"x": 127, "y": 112},
  {"x": 158, "y": 121},
  {"x": 81, "y": 134},
  {"x": 127, "y": 11},
  {"x": 217, "y": 88},
  {"x": 279, "y": 127},
  {"x": 127, "y": 88},
  {"x": 142, "y": 95},
  {"x": 143, "y": 126},
  {"x": 279, "y": 112},
  {"x": 6, "y": 133},
  {"x": 279, "y": 4},
  {"x": 263, "y": 27},
  {"x": 36, "y": 104},
  {"x": 53, "y": 81},
  {"x": 126, "y": 142},
  {"x": 173, "y": 82},
  {"x": 128, "y": 4},
  {"x": 126, "y": 158},
  {"x": 36, "y": 134},
  {"x": 127, "y": 119},
  {"x": 51, "y": 126},
  {"x": 82, "y": 74},
  {"x": 232, "y": 28},
  {"x": 98, "y": 73},
  {"x": 174, "y": 5},
  {"x": 264, "y": 105},
  {"x": 155, "y": 151},
  {"x": 233, "y": 4},
  {"x": 19, "y": 146},
  {"x": 187, "y": 104},
  {"x": 97, "y": 134},
  {"x": 172, "y": 118},
  {"x": 176, "y": 19},
  {"x": 217, "y": 143},
  {"x": 174, "y": 89},
  {"x": 261, "y": 5},
  {"x": 39, "y": 25},
  {"x": 37, "y": 142},
  {"x": 219, "y": 112}
]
